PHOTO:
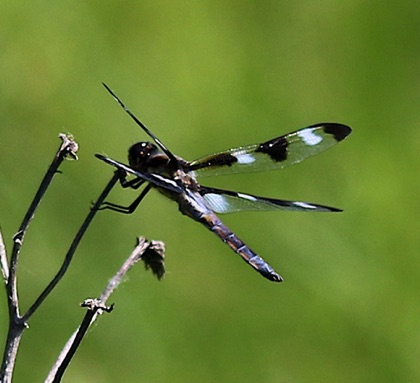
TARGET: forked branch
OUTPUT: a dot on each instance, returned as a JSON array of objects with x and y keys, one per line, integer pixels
[{"x": 17, "y": 324}]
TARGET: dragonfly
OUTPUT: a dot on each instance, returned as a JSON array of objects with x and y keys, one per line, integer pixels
[{"x": 154, "y": 166}]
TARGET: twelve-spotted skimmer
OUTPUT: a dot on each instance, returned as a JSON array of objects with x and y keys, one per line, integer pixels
[{"x": 176, "y": 178}]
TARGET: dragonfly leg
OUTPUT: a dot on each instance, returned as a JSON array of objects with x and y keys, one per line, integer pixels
[
  {"x": 134, "y": 184},
  {"x": 126, "y": 209}
]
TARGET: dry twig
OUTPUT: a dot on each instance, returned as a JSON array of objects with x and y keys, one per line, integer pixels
[{"x": 144, "y": 249}]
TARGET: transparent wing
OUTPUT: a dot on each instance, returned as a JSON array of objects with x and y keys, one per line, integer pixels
[
  {"x": 277, "y": 153},
  {"x": 226, "y": 201}
]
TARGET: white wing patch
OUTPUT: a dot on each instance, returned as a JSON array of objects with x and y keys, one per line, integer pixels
[
  {"x": 309, "y": 137},
  {"x": 217, "y": 202},
  {"x": 304, "y": 205},
  {"x": 248, "y": 197},
  {"x": 245, "y": 158}
]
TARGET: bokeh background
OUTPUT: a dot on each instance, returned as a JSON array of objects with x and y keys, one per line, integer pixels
[{"x": 206, "y": 76}]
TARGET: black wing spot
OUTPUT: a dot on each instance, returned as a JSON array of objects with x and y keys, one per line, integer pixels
[
  {"x": 222, "y": 159},
  {"x": 338, "y": 131},
  {"x": 276, "y": 149}
]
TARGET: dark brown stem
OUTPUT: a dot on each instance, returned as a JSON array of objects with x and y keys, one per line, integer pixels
[
  {"x": 69, "y": 256},
  {"x": 16, "y": 323},
  {"x": 67, "y": 148},
  {"x": 95, "y": 307}
]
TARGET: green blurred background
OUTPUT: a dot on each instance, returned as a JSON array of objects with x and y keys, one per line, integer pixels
[{"x": 206, "y": 76}]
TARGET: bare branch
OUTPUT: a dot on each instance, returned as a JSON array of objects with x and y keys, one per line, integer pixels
[
  {"x": 57, "y": 372},
  {"x": 133, "y": 258},
  {"x": 98, "y": 306},
  {"x": 68, "y": 148},
  {"x": 69, "y": 256},
  {"x": 3, "y": 260},
  {"x": 16, "y": 325},
  {"x": 14, "y": 336}
]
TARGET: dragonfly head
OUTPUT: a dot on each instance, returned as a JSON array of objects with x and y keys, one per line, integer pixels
[
  {"x": 146, "y": 157},
  {"x": 139, "y": 154}
]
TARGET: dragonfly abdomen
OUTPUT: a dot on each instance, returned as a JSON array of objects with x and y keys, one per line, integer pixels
[
  {"x": 239, "y": 247},
  {"x": 194, "y": 206}
]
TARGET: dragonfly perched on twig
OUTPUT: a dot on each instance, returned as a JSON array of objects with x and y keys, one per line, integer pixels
[{"x": 155, "y": 166}]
